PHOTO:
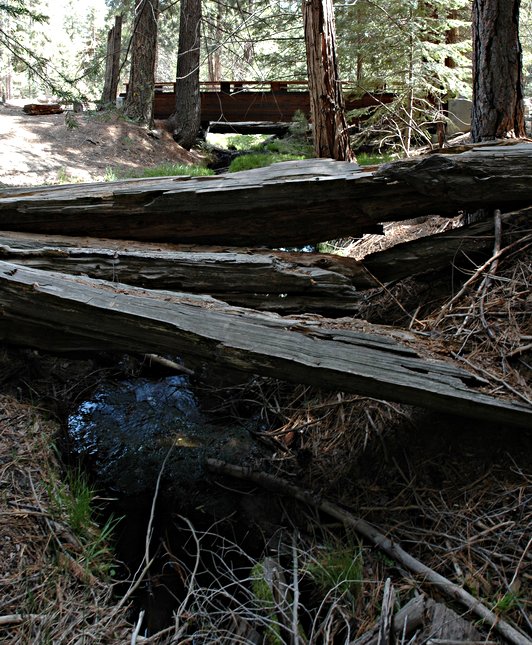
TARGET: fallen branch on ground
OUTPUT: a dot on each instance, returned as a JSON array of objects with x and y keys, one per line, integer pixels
[{"x": 427, "y": 575}]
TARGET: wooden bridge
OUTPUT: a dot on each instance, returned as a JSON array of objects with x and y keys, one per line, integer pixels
[{"x": 257, "y": 101}]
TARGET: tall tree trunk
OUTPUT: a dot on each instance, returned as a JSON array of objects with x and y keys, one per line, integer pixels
[
  {"x": 185, "y": 122},
  {"x": 330, "y": 132},
  {"x": 139, "y": 100},
  {"x": 112, "y": 62},
  {"x": 498, "y": 110},
  {"x": 213, "y": 41},
  {"x": 452, "y": 36}
]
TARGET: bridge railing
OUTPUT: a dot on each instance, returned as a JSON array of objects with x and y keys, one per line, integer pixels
[{"x": 235, "y": 87}]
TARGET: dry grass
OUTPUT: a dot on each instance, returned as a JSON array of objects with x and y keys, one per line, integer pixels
[
  {"x": 455, "y": 493},
  {"x": 48, "y": 594}
]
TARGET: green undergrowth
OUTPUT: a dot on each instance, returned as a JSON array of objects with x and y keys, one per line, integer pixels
[
  {"x": 260, "y": 160},
  {"x": 374, "y": 159},
  {"x": 241, "y": 142},
  {"x": 73, "y": 499},
  {"x": 162, "y": 170},
  {"x": 337, "y": 569}
]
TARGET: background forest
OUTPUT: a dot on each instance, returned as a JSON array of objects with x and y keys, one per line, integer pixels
[{"x": 417, "y": 48}]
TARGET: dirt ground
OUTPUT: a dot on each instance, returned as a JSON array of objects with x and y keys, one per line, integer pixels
[{"x": 68, "y": 147}]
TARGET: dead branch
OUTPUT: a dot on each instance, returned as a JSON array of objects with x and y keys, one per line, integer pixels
[{"x": 427, "y": 575}]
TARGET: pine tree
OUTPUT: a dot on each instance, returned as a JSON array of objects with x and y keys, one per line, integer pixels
[
  {"x": 185, "y": 122},
  {"x": 139, "y": 100},
  {"x": 498, "y": 109}
]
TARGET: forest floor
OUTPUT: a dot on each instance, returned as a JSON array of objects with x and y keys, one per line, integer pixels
[
  {"x": 73, "y": 147},
  {"x": 454, "y": 493}
]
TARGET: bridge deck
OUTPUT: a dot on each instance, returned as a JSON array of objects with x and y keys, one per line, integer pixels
[{"x": 241, "y": 101}]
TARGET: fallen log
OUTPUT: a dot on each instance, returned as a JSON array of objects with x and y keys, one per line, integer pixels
[
  {"x": 274, "y": 281},
  {"x": 287, "y": 204},
  {"x": 457, "y": 248},
  {"x": 39, "y": 109},
  {"x": 59, "y": 312}
]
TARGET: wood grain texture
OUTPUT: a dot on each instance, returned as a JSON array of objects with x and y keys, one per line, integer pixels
[
  {"x": 291, "y": 203},
  {"x": 65, "y": 313},
  {"x": 274, "y": 281}
]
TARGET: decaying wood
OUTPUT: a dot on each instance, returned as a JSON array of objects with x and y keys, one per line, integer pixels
[
  {"x": 60, "y": 312},
  {"x": 426, "y": 575},
  {"x": 287, "y": 204},
  {"x": 433, "y": 622},
  {"x": 42, "y": 108},
  {"x": 455, "y": 248},
  {"x": 273, "y": 281},
  {"x": 384, "y": 636}
]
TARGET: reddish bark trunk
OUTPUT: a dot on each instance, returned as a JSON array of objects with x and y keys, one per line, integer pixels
[
  {"x": 498, "y": 110},
  {"x": 139, "y": 100},
  {"x": 331, "y": 138},
  {"x": 112, "y": 63},
  {"x": 185, "y": 122}
]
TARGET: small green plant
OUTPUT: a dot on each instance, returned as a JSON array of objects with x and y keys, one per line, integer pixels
[
  {"x": 337, "y": 569},
  {"x": 110, "y": 174},
  {"x": 72, "y": 502},
  {"x": 260, "y": 160},
  {"x": 264, "y": 595},
  {"x": 291, "y": 146},
  {"x": 70, "y": 121},
  {"x": 64, "y": 177},
  {"x": 163, "y": 170},
  {"x": 75, "y": 497},
  {"x": 506, "y": 603}
]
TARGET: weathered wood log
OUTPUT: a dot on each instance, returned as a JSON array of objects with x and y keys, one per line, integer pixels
[
  {"x": 291, "y": 203},
  {"x": 36, "y": 109},
  {"x": 60, "y": 312},
  {"x": 452, "y": 249},
  {"x": 273, "y": 281},
  {"x": 193, "y": 268}
]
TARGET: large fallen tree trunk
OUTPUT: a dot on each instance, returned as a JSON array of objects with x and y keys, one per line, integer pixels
[
  {"x": 458, "y": 248},
  {"x": 65, "y": 313},
  {"x": 291, "y": 203},
  {"x": 273, "y": 281},
  {"x": 259, "y": 278}
]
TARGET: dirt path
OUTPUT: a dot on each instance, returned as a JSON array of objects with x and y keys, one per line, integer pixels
[{"x": 64, "y": 148}]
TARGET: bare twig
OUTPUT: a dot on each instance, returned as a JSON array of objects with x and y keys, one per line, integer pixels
[
  {"x": 136, "y": 631},
  {"x": 16, "y": 619},
  {"x": 477, "y": 274},
  {"x": 428, "y": 576}
]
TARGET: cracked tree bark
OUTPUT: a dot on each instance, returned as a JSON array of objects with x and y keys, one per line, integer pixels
[
  {"x": 331, "y": 138},
  {"x": 498, "y": 110},
  {"x": 139, "y": 100},
  {"x": 185, "y": 122}
]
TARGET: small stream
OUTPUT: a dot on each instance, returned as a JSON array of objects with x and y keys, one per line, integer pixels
[
  {"x": 126, "y": 429},
  {"x": 123, "y": 433}
]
